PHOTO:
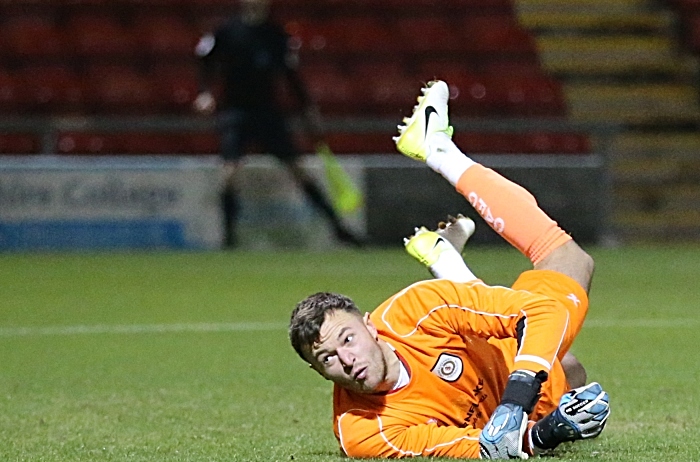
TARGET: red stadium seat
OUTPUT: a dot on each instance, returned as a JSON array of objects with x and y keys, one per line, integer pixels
[
  {"x": 472, "y": 95},
  {"x": 534, "y": 96},
  {"x": 12, "y": 94},
  {"x": 366, "y": 35},
  {"x": 276, "y": 4},
  {"x": 341, "y": 35},
  {"x": 508, "y": 66},
  {"x": 202, "y": 143},
  {"x": 19, "y": 143},
  {"x": 120, "y": 89},
  {"x": 389, "y": 93},
  {"x": 52, "y": 88},
  {"x": 228, "y": 4},
  {"x": 360, "y": 143},
  {"x": 175, "y": 86},
  {"x": 692, "y": 31},
  {"x": 508, "y": 96},
  {"x": 454, "y": 69},
  {"x": 566, "y": 143},
  {"x": 31, "y": 36},
  {"x": 310, "y": 36},
  {"x": 332, "y": 89},
  {"x": 145, "y": 4},
  {"x": 101, "y": 35},
  {"x": 327, "y": 36},
  {"x": 454, "y": 7},
  {"x": 421, "y": 34},
  {"x": 150, "y": 143},
  {"x": 686, "y": 6},
  {"x": 496, "y": 35},
  {"x": 489, "y": 143},
  {"x": 449, "y": 70},
  {"x": 206, "y": 22},
  {"x": 524, "y": 143},
  {"x": 390, "y": 90},
  {"x": 166, "y": 35},
  {"x": 85, "y": 143},
  {"x": 138, "y": 143},
  {"x": 117, "y": 143}
]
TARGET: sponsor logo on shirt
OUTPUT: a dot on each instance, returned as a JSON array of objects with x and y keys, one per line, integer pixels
[
  {"x": 497, "y": 223},
  {"x": 474, "y": 413},
  {"x": 574, "y": 299}
]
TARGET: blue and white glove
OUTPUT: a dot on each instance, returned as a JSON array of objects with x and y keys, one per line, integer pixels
[
  {"x": 582, "y": 413},
  {"x": 502, "y": 437}
]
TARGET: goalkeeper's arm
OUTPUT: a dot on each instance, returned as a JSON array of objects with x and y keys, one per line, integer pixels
[{"x": 502, "y": 437}]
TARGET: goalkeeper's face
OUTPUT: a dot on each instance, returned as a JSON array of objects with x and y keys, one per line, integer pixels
[{"x": 348, "y": 353}]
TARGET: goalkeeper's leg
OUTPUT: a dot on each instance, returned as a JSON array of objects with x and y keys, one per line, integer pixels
[
  {"x": 440, "y": 250},
  {"x": 507, "y": 207}
]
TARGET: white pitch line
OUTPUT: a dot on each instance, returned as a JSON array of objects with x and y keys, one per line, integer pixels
[
  {"x": 140, "y": 328},
  {"x": 98, "y": 329}
]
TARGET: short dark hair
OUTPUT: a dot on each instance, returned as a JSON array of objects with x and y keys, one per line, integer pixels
[{"x": 309, "y": 314}]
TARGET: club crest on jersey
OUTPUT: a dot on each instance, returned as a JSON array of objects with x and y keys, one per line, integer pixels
[{"x": 448, "y": 367}]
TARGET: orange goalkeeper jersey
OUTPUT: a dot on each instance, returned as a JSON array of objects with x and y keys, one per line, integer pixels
[{"x": 458, "y": 342}]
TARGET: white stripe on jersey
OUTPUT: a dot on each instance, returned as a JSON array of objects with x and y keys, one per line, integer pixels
[
  {"x": 403, "y": 452},
  {"x": 427, "y": 315},
  {"x": 534, "y": 359}
]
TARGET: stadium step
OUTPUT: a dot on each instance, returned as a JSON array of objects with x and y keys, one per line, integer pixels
[
  {"x": 603, "y": 7},
  {"x": 633, "y": 104},
  {"x": 617, "y": 55},
  {"x": 656, "y": 197},
  {"x": 623, "y": 62},
  {"x": 683, "y": 198},
  {"x": 631, "y": 145},
  {"x": 645, "y": 172},
  {"x": 590, "y": 22},
  {"x": 657, "y": 226}
]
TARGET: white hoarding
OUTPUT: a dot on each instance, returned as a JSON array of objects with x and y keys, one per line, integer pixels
[{"x": 49, "y": 202}]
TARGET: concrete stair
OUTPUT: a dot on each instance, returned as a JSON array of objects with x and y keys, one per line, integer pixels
[
  {"x": 584, "y": 6},
  {"x": 637, "y": 103},
  {"x": 620, "y": 61},
  {"x": 607, "y": 54},
  {"x": 593, "y": 20}
]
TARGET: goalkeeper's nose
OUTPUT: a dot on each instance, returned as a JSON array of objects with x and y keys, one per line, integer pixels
[{"x": 346, "y": 358}]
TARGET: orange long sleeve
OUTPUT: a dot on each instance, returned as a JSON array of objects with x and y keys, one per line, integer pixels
[{"x": 459, "y": 343}]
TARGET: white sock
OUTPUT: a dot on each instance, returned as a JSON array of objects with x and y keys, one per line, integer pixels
[
  {"x": 450, "y": 265},
  {"x": 446, "y": 158}
]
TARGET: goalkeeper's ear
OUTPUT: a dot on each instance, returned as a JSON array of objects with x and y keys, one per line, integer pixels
[{"x": 370, "y": 326}]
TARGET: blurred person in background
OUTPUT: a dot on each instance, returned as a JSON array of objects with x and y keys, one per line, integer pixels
[{"x": 251, "y": 55}]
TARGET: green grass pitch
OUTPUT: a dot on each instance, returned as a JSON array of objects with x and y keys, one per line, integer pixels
[{"x": 185, "y": 357}]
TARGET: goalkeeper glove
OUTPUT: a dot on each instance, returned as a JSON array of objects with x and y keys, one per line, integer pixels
[
  {"x": 502, "y": 437},
  {"x": 582, "y": 413}
]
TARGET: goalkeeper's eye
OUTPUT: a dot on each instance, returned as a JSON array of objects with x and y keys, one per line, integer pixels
[
  {"x": 349, "y": 338},
  {"x": 327, "y": 359}
]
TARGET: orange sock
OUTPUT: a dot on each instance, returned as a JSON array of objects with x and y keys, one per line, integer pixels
[{"x": 512, "y": 212}]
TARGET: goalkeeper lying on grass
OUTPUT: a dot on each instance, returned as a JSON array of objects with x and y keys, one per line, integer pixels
[{"x": 453, "y": 366}]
